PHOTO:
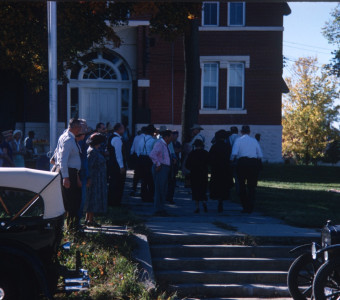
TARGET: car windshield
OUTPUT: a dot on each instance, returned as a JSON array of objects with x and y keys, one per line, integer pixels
[{"x": 17, "y": 202}]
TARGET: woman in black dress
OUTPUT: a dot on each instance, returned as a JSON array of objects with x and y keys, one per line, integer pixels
[
  {"x": 197, "y": 163},
  {"x": 221, "y": 180}
]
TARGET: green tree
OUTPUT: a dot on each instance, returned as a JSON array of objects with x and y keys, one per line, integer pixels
[
  {"x": 331, "y": 31},
  {"x": 81, "y": 26},
  {"x": 308, "y": 111},
  {"x": 171, "y": 20}
]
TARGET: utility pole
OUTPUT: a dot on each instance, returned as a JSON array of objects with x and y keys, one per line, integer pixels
[{"x": 52, "y": 70}]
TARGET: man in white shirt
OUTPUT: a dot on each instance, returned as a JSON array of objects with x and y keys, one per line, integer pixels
[
  {"x": 116, "y": 166},
  {"x": 248, "y": 153},
  {"x": 144, "y": 148},
  {"x": 68, "y": 163}
]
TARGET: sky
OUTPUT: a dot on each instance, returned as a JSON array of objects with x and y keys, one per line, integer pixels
[{"x": 302, "y": 34}]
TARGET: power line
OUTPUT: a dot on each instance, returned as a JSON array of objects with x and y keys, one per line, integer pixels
[
  {"x": 296, "y": 60},
  {"x": 318, "y": 66},
  {"x": 306, "y": 45},
  {"x": 316, "y": 51}
]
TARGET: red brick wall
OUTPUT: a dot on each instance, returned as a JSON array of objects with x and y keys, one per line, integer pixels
[{"x": 262, "y": 80}]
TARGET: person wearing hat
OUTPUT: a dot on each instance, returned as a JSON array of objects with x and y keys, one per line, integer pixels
[
  {"x": 7, "y": 136},
  {"x": 187, "y": 148},
  {"x": 196, "y": 135},
  {"x": 96, "y": 200},
  {"x": 18, "y": 149},
  {"x": 247, "y": 152},
  {"x": 144, "y": 148},
  {"x": 221, "y": 180},
  {"x": 197, "y": 163}
]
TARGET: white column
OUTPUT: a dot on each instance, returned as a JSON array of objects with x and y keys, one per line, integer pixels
[{"x": 52, "y": 70}]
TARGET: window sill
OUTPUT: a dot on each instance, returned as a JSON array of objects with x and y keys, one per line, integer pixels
[
  {"x": 241, "y": 28},
  {"x": 222, "y": 112}
]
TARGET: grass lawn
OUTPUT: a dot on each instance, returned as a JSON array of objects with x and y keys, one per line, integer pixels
[
  {"x": 108, "y": 258},
  {"x": 299, "y": 195}
]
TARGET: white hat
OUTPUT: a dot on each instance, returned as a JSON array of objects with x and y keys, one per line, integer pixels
[
  {"x": 196, "y": 126},
  {"x": 17, "y": 131}
]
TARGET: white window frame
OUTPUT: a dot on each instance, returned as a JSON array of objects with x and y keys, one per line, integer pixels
[
  {"x": 218, "y": 14},
  {"x": 228, "y": 85},
  {"x": 244, "y": 15},
  {"x": 202, "y": 85}
]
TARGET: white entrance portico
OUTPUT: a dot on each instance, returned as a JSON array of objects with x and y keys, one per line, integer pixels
[{"x": 101, "y": 91}]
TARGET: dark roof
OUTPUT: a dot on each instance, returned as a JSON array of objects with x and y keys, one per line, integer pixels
[{"x": 286, "y": 9}]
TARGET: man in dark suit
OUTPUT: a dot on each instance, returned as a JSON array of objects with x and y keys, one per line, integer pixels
[{"x": 116, "y": 166}]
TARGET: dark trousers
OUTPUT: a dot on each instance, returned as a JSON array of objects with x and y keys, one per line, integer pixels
[
  {"x": 172, "y": 182},
  {"x": 148, "y": 187},
  {"x": 247, "y": 174},
  {"x": 116, "y": 186},
  {"x": 72, "y": 200}
]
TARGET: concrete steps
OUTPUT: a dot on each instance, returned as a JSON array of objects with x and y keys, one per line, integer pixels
[
  {"x": 234, "y": 291},
  {"x": 212, "y": 271},
  {"x": 224, "y": 263},
  {"x": 167, "y": 250}
]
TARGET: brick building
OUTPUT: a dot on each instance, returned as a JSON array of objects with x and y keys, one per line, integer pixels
[{"x": 142, "y": 81}]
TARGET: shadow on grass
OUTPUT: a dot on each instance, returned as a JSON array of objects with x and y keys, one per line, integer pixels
[
  {"x": 120, "y": 216},
  {"x": 303, "y": 208},
  {"x": 303, "y": 174}
]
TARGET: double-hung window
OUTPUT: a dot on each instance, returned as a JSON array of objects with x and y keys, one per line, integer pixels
[
  {"x": 236, "y": 13},
  {"x": 236, "y": 86},
  {"x": 210, "y": 14},
  {"x": 210, "y": 85}
]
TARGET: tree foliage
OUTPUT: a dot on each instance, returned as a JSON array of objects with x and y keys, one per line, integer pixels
[
  {"x": 81, "y": 26},
  {"x": 332, "y": 32},
  {"x": 308, "y": 111}
]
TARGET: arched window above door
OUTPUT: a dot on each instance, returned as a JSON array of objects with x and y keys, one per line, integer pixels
[
  {"x": 101, "y": 66},
  {"x": 100, "y": 71}
]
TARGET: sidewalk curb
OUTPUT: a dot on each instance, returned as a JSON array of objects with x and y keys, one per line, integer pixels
[{"x": 143, "y": 256}]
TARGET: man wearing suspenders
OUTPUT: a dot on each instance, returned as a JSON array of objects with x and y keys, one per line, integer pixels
[{"x": 144, "y": 148}]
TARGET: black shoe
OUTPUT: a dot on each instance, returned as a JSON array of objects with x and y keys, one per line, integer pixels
[
  {"x": 196, "y": 211},
  {"x": 205, "y": 208}
]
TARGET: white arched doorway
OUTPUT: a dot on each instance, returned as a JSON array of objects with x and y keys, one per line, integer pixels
[{"x": 101, "y": 91}]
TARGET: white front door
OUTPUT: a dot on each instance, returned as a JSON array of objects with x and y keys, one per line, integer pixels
[{"x": 99, "y": 105}]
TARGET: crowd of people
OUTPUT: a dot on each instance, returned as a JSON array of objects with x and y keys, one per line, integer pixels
[
  {"x": 93, "y": 165},
  {"x": 13, "y": 149}
]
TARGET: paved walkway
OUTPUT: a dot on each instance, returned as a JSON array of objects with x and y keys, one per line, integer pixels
[{"x": 182, "y": 221}]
